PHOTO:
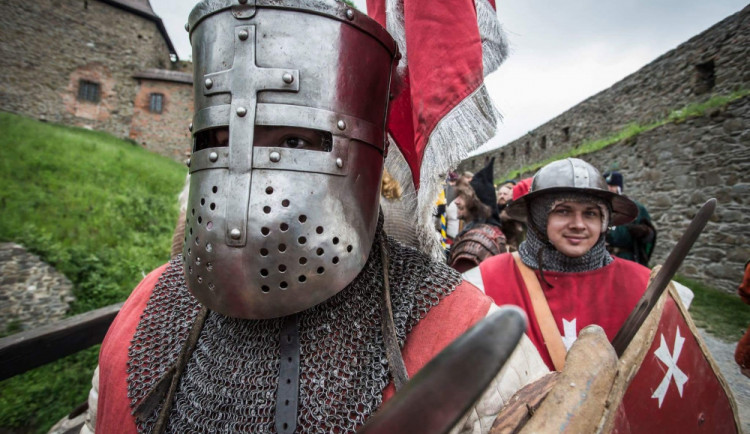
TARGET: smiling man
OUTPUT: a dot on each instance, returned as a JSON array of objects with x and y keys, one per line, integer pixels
[{"x": 562, "y": 275}]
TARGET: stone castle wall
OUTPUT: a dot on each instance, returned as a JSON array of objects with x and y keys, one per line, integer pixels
[
  {"x": 675, "y": 168},
  {"x": 713, "y": 62},
  {"x": 32, "y": 293},
  {"x": 165, "y": 133},
  {"x": 47, "y": 47}
]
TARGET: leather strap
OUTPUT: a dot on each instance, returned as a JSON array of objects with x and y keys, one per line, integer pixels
[
  {"x": 179, "y": 369},
  {"x": 551, "y": 334},
  {"x": 392, "y": 349},
  {"x": 287, "y": 392}
]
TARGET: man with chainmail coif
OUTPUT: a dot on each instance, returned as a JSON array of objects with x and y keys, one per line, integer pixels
[
  {"x": 279, "y": 313},
  {"x": 562, "y": 274}
]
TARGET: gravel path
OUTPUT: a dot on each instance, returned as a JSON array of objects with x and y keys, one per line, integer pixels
[{"x": 723, "y": 352}]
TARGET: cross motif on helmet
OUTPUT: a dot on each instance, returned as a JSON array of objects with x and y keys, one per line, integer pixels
[{"x": 243, "y": 81}]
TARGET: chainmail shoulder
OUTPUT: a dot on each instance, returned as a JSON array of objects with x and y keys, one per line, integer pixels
[{"x": 230, "y": 382}]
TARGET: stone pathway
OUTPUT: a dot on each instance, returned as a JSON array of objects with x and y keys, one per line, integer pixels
[{"x": 723, "y": 353}]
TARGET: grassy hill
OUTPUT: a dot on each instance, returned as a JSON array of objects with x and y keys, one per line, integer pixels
[{"x": 99, "y": 209}]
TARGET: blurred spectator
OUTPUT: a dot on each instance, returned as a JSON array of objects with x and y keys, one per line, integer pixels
[
  {"x": 522, "y": 187},
  {"x": 482, "y": 235},
  {"x": 636, "y": 240},
  {"x": 742, "y": 354},
  {"x": 504, "y": 195}
]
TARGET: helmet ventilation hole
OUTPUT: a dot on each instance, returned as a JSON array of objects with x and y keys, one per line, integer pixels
[
  {"x": 265, "y": 288},
  {"x": 203, "y": 201},
  {"x": 215, "y": 189},
  {"x": 264, "y": 252},
  {"x": 302, "y": 218},
  {"x": 284, "y": 227},
  {"x": 209, "y": 247},
  {"x": 319, "y": 229},
  {"x": 210, "y": 225},
  {"x": 264, "y": 272},
  {"x": 302, "y": 240},
  {"x": 335, "y": 240},
  {"x": 349, "y": 248},
  {"x": 282, "y": 268},
  {"x": 283, "y": 285},
  {"x": 282, "y": 247},
  {"x": 321, "y": 270},
  {"x": 302, "y": 279},
  {"x": 267, "y": 209},
  {"x": 212, "y": 206},
  {"x": 285, "y": 203},
  {"x": 335, "y": 259},
  {"x": 269, "y": 190},
  {"x": 265, "y": 231},
  {"x": 320, "y": 251},
  {"x": 302, "y": 260}
]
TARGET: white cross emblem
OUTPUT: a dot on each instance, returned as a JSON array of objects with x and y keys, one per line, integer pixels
[
  {"x": 569, "y": 328},
  {"x": 670, "y": 360}
]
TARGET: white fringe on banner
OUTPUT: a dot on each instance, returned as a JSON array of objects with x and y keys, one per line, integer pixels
[
  {"x": 494, "y": 42},
  {"x": 428, "y": 240},
  {"x": 394, "y": 23},
  {"x": 467, "y": 126},
  {"x": 470, "y": 124}
]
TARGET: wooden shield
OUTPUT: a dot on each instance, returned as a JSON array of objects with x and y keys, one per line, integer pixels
[{"x": 676, "y": 386}]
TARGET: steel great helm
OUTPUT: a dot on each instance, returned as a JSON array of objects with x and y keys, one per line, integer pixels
[
  {"x": 573, "y": 175},
  {"x": 291, "y": 99}
]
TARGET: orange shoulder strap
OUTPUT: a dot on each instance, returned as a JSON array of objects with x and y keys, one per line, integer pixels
[{"x": 551, "y": 334}]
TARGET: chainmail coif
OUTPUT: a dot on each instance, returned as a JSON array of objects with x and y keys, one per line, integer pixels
[
  {"x": 230, "y": 382},
  {"x": 552, "y": 259}
]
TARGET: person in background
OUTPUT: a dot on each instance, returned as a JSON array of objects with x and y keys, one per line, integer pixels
[
  {"x": 521, "y": 188},
  {"x": 742, "y": 353},
  {"x": 563, "y": 263},
  {"x": 482, "y": 234},
  {"x": 513, "y": 229},
  {"x": 636, "y": 240},
  {"x": 504, "y": 195}
]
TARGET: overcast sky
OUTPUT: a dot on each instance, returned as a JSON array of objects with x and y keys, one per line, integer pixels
[{"x": 561, "y": 52}]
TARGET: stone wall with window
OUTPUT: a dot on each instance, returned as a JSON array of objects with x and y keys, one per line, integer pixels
[
  {"x": 50, "y": 48},
  {"x": 163, "y": 131},
  {"x": 675, "y": 168}
]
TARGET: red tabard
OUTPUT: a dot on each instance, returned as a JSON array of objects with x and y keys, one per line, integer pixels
[
  {"x": 456, "y": 313},
  {"x": 604, "y": 296}
]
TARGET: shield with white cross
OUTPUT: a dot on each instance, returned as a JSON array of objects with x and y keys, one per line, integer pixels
[
  {"x": 291, "y": 98},
  {"x": 678, "y": 386}
]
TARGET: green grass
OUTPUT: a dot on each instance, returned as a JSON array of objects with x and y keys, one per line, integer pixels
[
  {"x": 99, "y": 209},
  {"x": 631, "y": 130},
  {"x": 721, "y": 314}
]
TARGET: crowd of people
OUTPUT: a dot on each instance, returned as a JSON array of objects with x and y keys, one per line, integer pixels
[{"x": 480, "y": 226}]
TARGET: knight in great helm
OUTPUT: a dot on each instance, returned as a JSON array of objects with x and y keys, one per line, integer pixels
[{"x": 272, "y": 317}]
